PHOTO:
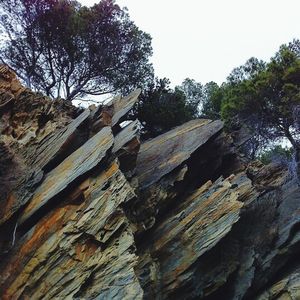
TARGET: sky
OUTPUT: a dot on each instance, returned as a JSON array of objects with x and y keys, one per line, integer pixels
[{"x": 205, "y": 39}]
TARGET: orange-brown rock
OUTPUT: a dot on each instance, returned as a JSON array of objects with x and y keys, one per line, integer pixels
[
  {"x": 9, "y": 82},
  {"x": 86, "y": 212}
]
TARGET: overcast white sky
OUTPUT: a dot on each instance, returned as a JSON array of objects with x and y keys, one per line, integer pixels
[{"x": 206, "y": 39}]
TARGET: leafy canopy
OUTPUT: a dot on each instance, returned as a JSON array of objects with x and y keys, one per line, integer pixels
[
  {"x": 267, "y": 96},
  {"x": 67, "y": 50},
  {"x": 276, "y": 154},
  {"x": 161, "y": 108}
]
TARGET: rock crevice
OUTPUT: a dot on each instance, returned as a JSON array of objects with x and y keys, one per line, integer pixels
[{"x": 89, "y": 212}]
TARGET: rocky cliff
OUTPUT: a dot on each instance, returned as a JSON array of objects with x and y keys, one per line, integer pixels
[{"x": 89, "y": 212}]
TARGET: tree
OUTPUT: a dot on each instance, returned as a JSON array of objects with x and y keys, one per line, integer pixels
[
  {"x": 212, "y": 99},
  {"x": 64, "y": 49},
  {"x": 160, "y": 108},
  {"x": 267, "y": 100},
  {"x": 193, "y": 92},
  {"x": 249, "y": 70},
  {"x": 276, "y": 154}
]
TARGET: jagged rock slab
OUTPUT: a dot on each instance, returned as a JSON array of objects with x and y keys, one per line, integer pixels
[
  {"x": 27, "y": 116},
  {"x": 177, "y": 230},
  {"x": 78, "y": 163},
  {"x": 123, "y": 105},
  {"x": 126, "y": 147},
  {"x": 211, "y": 204},
  {"x": 10, "y": 171},
  {"x": 114, "y": 112},
  {"x": 164, "y": 153},
  {"x": 54, "y": 146},
  {"x": 9, "y": 82},
  {"x": 199, "y": 224},
  {"x": 286, "y": 288},
  {"x": 278, "y": 243},
  {"x": 32, "y": 117},
  {"x": 81, "y": 250},
  {"x": 129, "y": 133}
]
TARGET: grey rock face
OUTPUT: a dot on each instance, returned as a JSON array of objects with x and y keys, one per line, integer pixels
[{"x": 89, "y": 213}]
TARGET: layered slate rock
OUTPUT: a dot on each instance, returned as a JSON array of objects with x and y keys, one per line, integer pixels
[
  {"x": 114, "y": 112},
  {"x": 126, "y": 147},
  {"x": 121, "y": 106},
  {"x": 77, "y": 243},
  {"x": 200, "y": 222},
  {"x": 26, "y": 124},
  {"x": 86, "y": 212},
  {"x": 53, "y": 234},
  {"x": 73, "y": 167},
  {"x": 57, "y": 146},
  {"x": 39, "y": 133},
  {"x": 286, "y": 288},
  {"x": 166, "y": 168},
  {"x": 163, "y": 154}
]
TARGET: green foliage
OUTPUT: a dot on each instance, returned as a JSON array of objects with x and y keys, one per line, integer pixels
[
  {"x": 249, "y": 70},
  {"x": 64, "y": 49},
  {"x": 276, "y": 153},
  {"x": 212, "y": 100},
  {"x": 193, "y": 92},
  {"x": 264, "y": 96},
  {"x": 160, "y": 108}
]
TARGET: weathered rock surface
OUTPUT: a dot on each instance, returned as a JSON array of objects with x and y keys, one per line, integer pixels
[
  {"x": 163, "y": 154},
  {"x": 86, "y": 212},
  {"x": 74, "y": 166}
]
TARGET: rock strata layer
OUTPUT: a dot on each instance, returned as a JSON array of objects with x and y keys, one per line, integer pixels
[{"x": 88, "y": 212}]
